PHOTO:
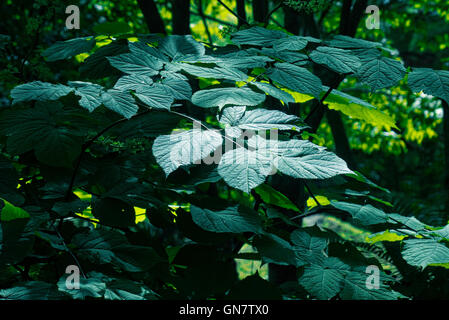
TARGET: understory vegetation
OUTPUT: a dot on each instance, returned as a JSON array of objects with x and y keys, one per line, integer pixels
[{"x": 224, "y": 150}]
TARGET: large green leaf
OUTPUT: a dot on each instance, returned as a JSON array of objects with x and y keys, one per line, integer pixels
[
  {"x": 257, "y": 36},
  {"x": 97, "y": 245},
  {"x": 151, "y": 124},
  {"x": 155, "y": 96},
  {"x": 133, "y": 82},
  {"x": 231, "y": 116},
  {"x": 274, "y": 249},
  {"x": 119, "y": 101},
  {"x": 40, "y": 91},
  {"x": 358, "y": 109},
  {"x": 90, "y": 94},
  {"x": 226, "y": 73},
  {"x": 274, "y": 91},
  {"x": 326, "y": 279},
  {"x": 410, "y": 222},
  {"x": 134, "y": 63},
  {"x": 16, "y": 233},
  {"x": 294, "y": 57},
  {"x": 381, "y": 72},
  {"x": 46, "y": 129},
  {"x": 232, "y": 220},
  {"x": 91, "y": 286},
  {"x": 301, "y": 158},
  {"x": 97, "y": 65},
  {"x": 269, "y": 195},
  {"x": 9, "y": 212},
  {"x": 240, "y": 59},
  {"x": 135, "y": 258},
  {"x": 219, "y": 97},
  {"x": 346, "y": 42},
  {"x": 177, "y": 88},
  {"x": 339, "y": 60},
  {"x": 181, "y": 47},
  {"x": 258, "y": 119},
  {"x": 66, "y": 49},
  {"x": 424, "y": 252},
  {"x": 308, "y": 163},
  {"x": 264, "y": 119},
  {"x": 123, "y": 289},
  {"x": 295, "y": 78},
  {"x": 65, "y": 208},
  {"x": 132, "y": 194},
  {"x": 185, "y": 147},
  {"x": 355, "y": 288},
  {"x": 31, "y": 290},
  {"x": 111, "y": 247},
  {"x": 141, "y": 48},
  {"x": 293, "y": 43},
  {"x": 308, "y": 247},
  {"x": 363, "y": 214},
  {"x": 196, "y": 175},
  {"x": 433, "y": 82},
  {"x": 244, "y": 169}
]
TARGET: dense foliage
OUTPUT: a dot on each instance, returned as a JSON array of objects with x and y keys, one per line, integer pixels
[{"x": 168, "y": 166}]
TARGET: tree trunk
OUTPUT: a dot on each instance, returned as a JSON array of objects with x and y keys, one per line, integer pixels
[
  {"x": 152, "y": 17},
  {"x": 342, "y": 146},
  {"x": 260, "y": 10},
  {"x": 308, "y": 26},
  {"x": 241, "y": 12},
  {"x": 291, "y": 20},
  {"x": 181, "y": 16}
]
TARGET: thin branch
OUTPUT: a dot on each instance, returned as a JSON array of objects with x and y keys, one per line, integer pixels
[
  {"x": 318, "y": 210},
  {"x": 303, "y": 215},
  {"x": 326, "y": 95},
  {"x": 276, "y": 22},
  {"x": 328, "y": 92},
  {"x": 273, "y": 10},
  {"x": 406, "y": 226},
  {"x": 242, "y": 20},
  {"x": 229, "y": 24},
  {"x": 319, "y": 104},
  {"x": 203, "y": 18},
  {"x": 71, "y": 253},
  {"x": 241, "y": 11},
  {"x": 152, "y": 17},
  {"x": 345, "y": 16}
]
